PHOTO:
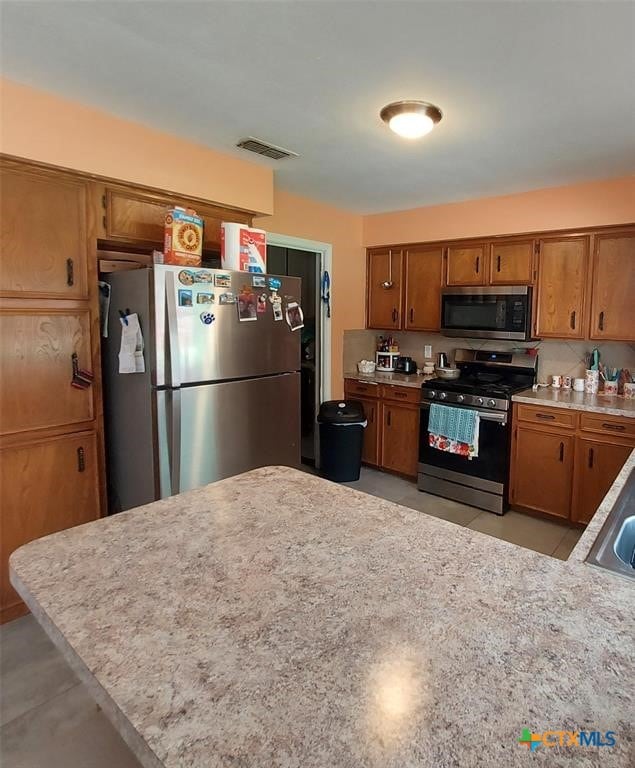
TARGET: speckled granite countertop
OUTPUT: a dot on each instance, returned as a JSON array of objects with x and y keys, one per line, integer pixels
[
  {"x": 275, "y": 619},
  {"x": 414, "y": 380},
  {"x": 577, "y": 401}
]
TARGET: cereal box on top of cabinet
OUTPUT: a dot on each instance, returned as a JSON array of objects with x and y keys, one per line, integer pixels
[{"x": 183, "y": 241}]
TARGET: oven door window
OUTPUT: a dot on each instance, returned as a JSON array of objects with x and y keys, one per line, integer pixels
[
  {"x": 493, "y": 452},
  {"x": 478, "y": 313}
]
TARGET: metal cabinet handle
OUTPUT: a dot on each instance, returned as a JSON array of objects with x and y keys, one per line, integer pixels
[
  {"x": 548, "y": 416},
  {"x": 394, "y": 315},
  {"x": 372, "y": 415},
  {"x": 616, "y": 427},
  {"x": 70, "y": 272},
  {"x": 478, "y": 264},
  {"x": 601, "y": 321},
  {"x": 400, "y": 394},
  {"x": 81, "y": 460},
  {"x": 590, "y": 458},
  {"x": 561, "y": 451},
  {"x": 572, "y": 320},
  {"x": 498, "y": 263},
  {"x": 412, "y": 314},
  {"x": 388, "y": 418}
]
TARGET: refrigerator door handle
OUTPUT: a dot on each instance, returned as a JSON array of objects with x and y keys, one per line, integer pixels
[
  {"x": 174, "y": 441},
  {"x": 173, "y": 331}
]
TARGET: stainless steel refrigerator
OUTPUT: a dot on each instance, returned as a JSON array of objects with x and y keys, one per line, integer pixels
[{"x": 219, "y": 395}]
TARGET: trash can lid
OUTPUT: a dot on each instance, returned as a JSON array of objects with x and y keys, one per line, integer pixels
[{"x": 341, "y": 412}]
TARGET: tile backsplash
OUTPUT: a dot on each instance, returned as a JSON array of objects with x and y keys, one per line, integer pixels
[{"x": 554, "y": 357}]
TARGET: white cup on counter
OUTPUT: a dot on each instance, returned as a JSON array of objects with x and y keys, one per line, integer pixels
[
  {"x": 556, "y": 381},
  {"x": 578, "y": 385}
]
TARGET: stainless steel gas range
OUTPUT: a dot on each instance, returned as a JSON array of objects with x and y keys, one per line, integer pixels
[{"x": 487, "y": 382}]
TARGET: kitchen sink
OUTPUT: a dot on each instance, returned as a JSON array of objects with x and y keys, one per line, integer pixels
[{"x": 614, "y": 548}]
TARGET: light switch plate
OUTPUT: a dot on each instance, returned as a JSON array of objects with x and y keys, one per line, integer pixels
[{"x": 427, "y": 351}]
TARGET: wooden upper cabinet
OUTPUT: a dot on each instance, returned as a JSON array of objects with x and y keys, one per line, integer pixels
[
  {"x": 511, "y": 263},
  {"x": 36, "y": 348},
  {"x": 597, "y": 464},
  {"x": 44, "y": 234},
  {"x": 140, "y": 217},
  {"x": 384, "y": 295},
  {"x": 562, "y": 276},
  {"x": 467, "y": 264},
  {"x": 424, "y": 278},
  {"x": 613, "y": 287},
  {"x": 45, "y": 487},
  {"x": 542, "y": 463}
]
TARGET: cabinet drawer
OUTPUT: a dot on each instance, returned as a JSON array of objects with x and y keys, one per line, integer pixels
[
  {"x": 401, "y": 394},
  {"x": 554, "y": 417},
  {"x": 608, "y": 425},
  {"x": 365, "y": 388}
]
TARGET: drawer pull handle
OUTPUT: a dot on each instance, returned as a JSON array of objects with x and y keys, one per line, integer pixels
[
  {"x": 561, "y": 451},
  {"x": 70, "y": 272},
  {"x": 590, "y": 458},
  {"x": 81, "y": 460},
  {"x": 572, "y": 321},
  {"x": 548, "y": 416},
  {"x": 616, "y": 427},
  {"x": 601, "y": 321},
  {"x": 400, "y": 394}
]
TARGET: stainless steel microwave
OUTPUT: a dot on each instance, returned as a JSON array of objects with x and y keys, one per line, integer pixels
[{"x": 488, "y": 312}]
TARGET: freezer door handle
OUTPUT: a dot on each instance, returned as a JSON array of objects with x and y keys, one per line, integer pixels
[
  {"x": 173, "y": 331},
  {"x": 174, "y": 441}
]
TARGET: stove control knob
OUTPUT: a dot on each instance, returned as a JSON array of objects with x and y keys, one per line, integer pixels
[
  {"x": 479, "y": 401},
  {"x": 442, "y": 396},
  {"x": 460, "y": 398},
  {"x": 432, "y": 394},
  {"x": 491, "y": 403}
]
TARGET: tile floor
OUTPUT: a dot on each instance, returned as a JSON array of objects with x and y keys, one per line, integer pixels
[{"x": 48, "y": 720}]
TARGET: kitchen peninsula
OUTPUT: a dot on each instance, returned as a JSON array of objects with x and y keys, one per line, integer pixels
[{"x": 275, "y": 619}]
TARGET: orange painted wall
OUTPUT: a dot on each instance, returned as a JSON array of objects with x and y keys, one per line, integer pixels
[
  {"x": 41, "y": 126},
  {"x": 300, "y": 217},
  {"x": 596, "y": 203}
]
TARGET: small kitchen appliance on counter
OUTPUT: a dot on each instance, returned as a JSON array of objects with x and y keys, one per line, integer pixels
[
  {"x": 405, "y": 365},
  {"x": 487, "y": 382}
]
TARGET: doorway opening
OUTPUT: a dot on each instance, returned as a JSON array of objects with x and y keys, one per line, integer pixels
[{"x": 308, "y": 261}]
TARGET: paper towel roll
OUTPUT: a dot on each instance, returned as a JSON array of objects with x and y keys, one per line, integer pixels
[{"x": 243, "y": 248}]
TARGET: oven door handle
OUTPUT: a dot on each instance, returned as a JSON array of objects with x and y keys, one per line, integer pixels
[{"x": 500, "y": 418}]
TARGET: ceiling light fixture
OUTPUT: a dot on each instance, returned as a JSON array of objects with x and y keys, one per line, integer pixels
[{"x": 411, "y": 119}]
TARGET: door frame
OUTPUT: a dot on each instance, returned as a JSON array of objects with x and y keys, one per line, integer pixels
[{"x": 325, "y": 253}]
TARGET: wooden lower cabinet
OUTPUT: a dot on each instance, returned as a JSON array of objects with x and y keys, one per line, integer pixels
[
  {"x": 45, "y": 487},
  {"x": 543, "y": 463},
  {"x": 400, "y": 438},
  {"x": 597, "y": 464},
  {"x": 370, "y": 451}
]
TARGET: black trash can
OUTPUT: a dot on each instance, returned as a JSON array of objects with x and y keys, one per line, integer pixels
[{"x": 342, "y": 425}]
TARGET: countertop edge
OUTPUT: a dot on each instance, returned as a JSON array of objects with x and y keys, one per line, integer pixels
[
  {"x": 577, "y": 401},
  {"x": 414, "y": 380},
  {"x": 137, "y": 744}
]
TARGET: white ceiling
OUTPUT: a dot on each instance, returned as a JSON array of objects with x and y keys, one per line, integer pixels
[{"x": 534, "y": 94}]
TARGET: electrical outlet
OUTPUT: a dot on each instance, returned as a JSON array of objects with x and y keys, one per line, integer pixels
[{"x": 427, "y": 351}]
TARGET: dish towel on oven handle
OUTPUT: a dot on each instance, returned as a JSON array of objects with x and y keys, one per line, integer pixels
[{"x": 454, "y": 430}]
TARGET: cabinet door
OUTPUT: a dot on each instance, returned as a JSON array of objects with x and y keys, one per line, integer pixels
[
  {"x": 542, "y": 471},
  {"x": 511, "y": 263},
  {"x": 384, "y": 289},
  {"x": 44, "y": 235},
  {"x": 562, "y": 274},
  {"x": 36, "y": 348},
  {"x": 400, "y": 438},
  {"x": 597, "y": 465},
  {"x": 612, "y": 315},
  {"x": 370, "y": 452},
  {"x": 466, "y": 264},
  {"x": 46, "y": 487},
  {"x": 132, "y": 216},
  {"x": 424, "y": 277}
]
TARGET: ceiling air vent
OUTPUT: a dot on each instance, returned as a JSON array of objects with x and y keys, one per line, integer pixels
[{"x": 267, "y": 150}]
